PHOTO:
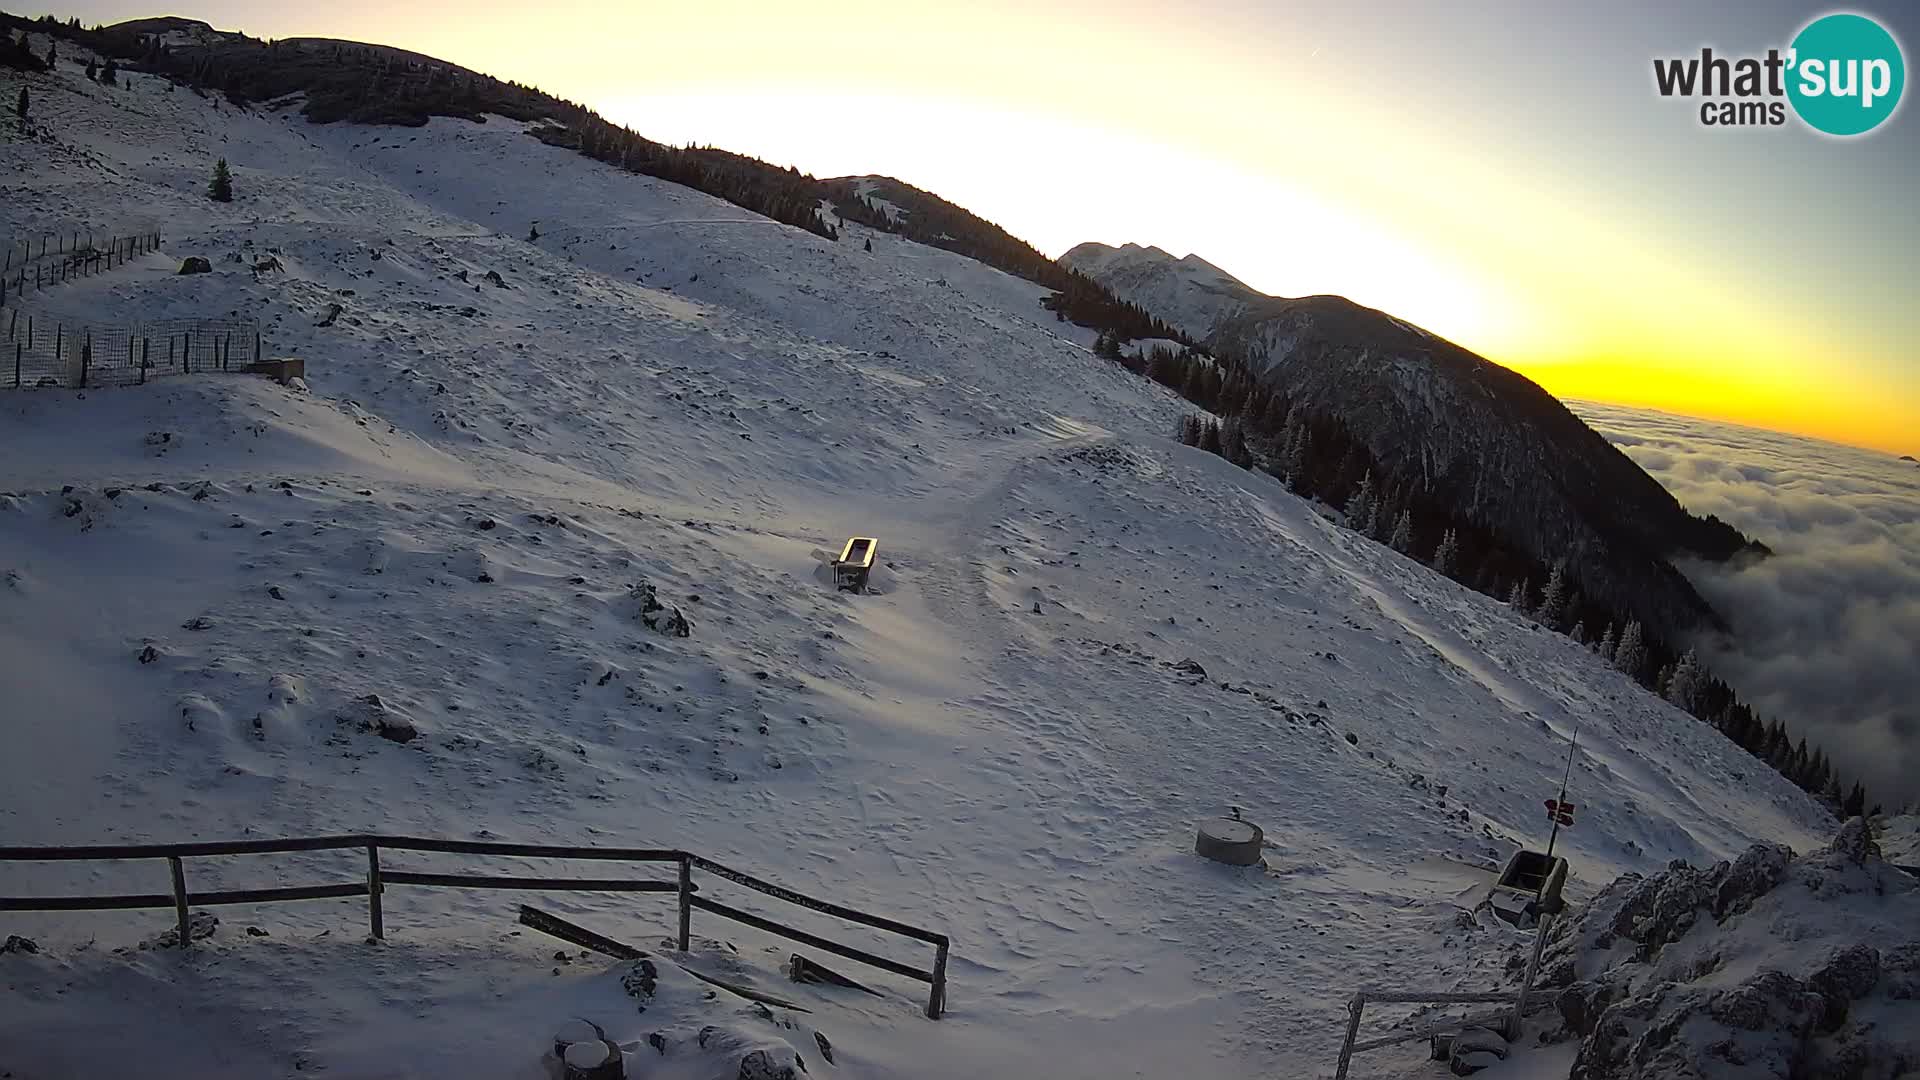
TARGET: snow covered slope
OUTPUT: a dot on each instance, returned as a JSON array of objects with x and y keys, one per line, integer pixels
[{"x": 1081, "y": 639}]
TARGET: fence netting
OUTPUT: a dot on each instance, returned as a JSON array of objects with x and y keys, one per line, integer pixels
[{"x": 50, "y": 353}]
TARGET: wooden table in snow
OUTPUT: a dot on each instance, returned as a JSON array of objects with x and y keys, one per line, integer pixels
[{"x": 855, "y": 563}]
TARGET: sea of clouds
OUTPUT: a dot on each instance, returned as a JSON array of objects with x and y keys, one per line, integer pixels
[{"x": 1826, "y": 631}]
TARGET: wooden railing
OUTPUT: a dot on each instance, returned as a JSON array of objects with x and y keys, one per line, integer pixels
[{"x": 379, "y": 876}]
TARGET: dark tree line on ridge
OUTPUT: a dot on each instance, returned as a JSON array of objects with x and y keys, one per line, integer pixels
[
  {"x": 1317, "y": 457},
  {"x": 369, "y": 84}
]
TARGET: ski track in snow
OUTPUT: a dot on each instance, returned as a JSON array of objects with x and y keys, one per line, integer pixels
[{"x": 714, "y": 411}]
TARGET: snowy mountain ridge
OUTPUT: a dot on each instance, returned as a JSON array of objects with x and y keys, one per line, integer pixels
[
  {"x": 1081, "y": 638},
  {"x": 1449, "y": 426},
  {"x": 1189, "y": 293}
]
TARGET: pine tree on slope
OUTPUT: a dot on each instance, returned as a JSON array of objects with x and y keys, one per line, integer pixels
[
  {"x": 1447, "y": 556},
  {"x": 1683, "y": 688},
  {"x": 1360, "y": 505},
  {"x": 221, "y": 189},
  {"x": 1402, "y": 539},
  {"x": 1630, "y": 655},
  {"x": 1553, "y": 602}
]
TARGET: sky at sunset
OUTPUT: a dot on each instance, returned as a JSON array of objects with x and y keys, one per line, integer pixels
[{"x": 1501, "y": 173}]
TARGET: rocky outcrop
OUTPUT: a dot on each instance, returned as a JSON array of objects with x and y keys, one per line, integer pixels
[
  {"x": 1768, "y": 965},
  {"x": 645, "y": 605}
]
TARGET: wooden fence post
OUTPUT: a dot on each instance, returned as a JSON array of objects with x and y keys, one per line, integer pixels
[
  {"x": 226, "y": 349},
  {"x": 937, "y": 996},
  {"x": 686, "y": 901},
  {"x": 180, "y": 898},
  {"x": 16, "y": 365},
  {"x": 374, "y": 914},
  {"x": 1354, "y": 1008},
  {"x": 59, "y": 338},
  {"x": 145, "y": 347},
  {"x": 86, "y": 359}
]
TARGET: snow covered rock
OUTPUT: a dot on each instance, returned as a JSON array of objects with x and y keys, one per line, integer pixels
[
  {"x": 372, "y": 713},
  {"x": 1766, "y": 966},
  {"x": 194, "y": 264},
  {"x": 200, "y": 926},
  {"x": 646, "y": 606}
]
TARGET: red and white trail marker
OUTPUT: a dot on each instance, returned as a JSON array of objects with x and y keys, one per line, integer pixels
[{"x": 1559, "y": 812}]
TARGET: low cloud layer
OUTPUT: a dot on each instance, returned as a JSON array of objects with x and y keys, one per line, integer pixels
[{"x": 1827, "y": 631}]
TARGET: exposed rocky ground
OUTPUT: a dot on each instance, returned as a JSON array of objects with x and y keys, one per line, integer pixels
[{"x": 1767, "y": 966}]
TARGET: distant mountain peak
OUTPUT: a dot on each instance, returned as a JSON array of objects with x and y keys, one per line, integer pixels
[{"x": 1444, "y": 424}]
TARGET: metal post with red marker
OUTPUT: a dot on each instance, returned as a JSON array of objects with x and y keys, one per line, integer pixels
[{"x": 1560, "y": 810}]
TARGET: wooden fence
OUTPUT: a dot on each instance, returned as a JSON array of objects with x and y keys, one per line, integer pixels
[
  {"x": 379, "y": 876},
  {"x": 61, "y": 259}
]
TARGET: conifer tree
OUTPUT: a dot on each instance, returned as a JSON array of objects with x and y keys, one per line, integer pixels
[
  {"x": 1606, "y": 644},
  {"x": 1402, "y": 539},
  {"x": 1553, "y": 601},
  {"x": 869, "y": 243},
  {"x": 110, "y": 74},
  {"x": 1517, "y": 596},
  {"x": 1210, "y": 438},
  {"x": 1856, "y": 803},
  {"x": 1683, "y": 687},
  {"x": 1360, "y": 505},
  {"x": 221, "y": 189},
  {"x": 1630, "y": 655},
  {"x": 20, "y": 107},
  {"x": 1446, "y": 557},
  {"x": 93, "y": 70}
]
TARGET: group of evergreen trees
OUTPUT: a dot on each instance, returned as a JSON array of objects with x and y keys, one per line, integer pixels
[
  {"x": 935, "y": 222},
  {"x": 1317, "y": 457}
]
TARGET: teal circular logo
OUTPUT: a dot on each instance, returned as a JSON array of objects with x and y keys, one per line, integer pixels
[{"x": 1846, "y": 74}]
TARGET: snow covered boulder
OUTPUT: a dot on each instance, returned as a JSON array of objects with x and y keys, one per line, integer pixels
[
  {"x": 372, "y": 713},
  {"x": 1771, "y": 965},
  {"x": 1752, "y": 875},
  {"x": 200, "y": 926},
  {"x": 644, "y": 604}
]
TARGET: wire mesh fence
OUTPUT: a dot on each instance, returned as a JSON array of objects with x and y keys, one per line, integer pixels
[
  {"x": 27, "y": 266},
  {"x": 48, "y": 353}
]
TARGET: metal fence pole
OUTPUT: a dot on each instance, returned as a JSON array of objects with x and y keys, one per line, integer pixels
[
  {"x": 686, "y": 901},
  {"x": 374, "y": 914},
  {"x": 180, "y": 898}
]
